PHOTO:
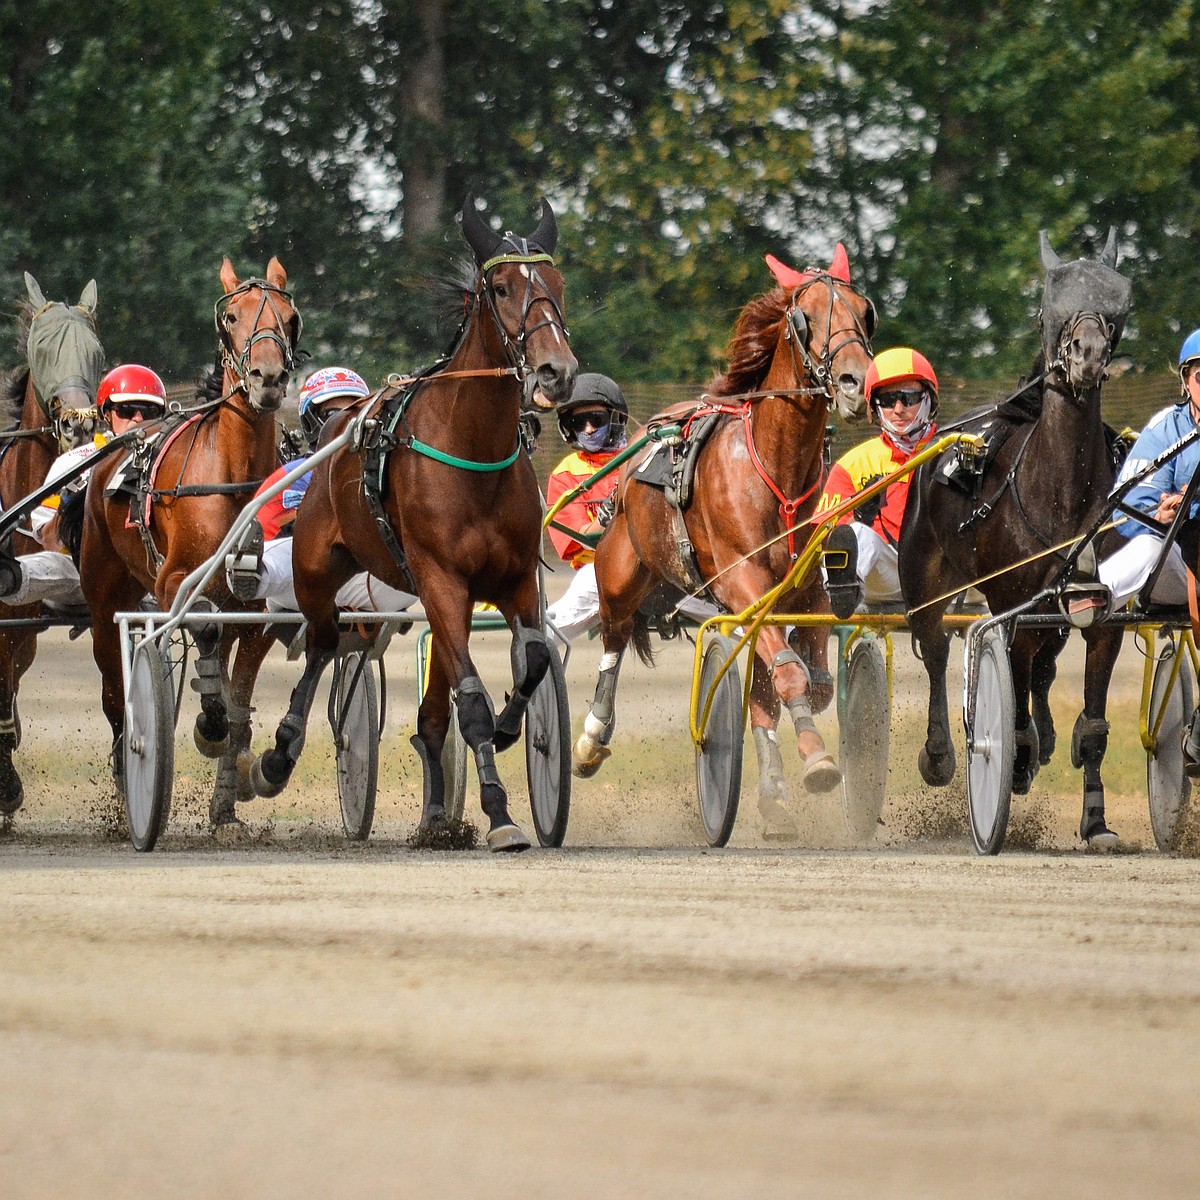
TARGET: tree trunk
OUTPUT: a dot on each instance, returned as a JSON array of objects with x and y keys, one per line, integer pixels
[{"x": 421, "y": 102}]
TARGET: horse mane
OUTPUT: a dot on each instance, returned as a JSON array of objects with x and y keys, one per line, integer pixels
[
  {"x": 752, "y": 345},
  {"x": 12, "y": 396},
  {"x": 209, "y": 385},
  {"x": 448, "y": 292}
]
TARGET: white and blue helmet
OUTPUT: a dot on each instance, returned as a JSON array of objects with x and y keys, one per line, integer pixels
[{"x": 322, "y": 386}]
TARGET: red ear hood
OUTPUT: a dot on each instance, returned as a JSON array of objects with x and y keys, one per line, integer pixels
[{"x": 789, "y": 277}]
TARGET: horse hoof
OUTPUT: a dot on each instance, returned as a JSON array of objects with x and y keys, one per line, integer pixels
[
  {"x": 12, "y": 792},
  {"x": 210, "y": 749},
  {"x": 229, "y": 831},
  {"x": 778, "y": 825},
  {"x": 585, "y": 769},
  {"x": 503, "y": 740},
  {"x": 244, "y": 763},
  {"x": 1022, "y": 781},
  {"x": 821, "y": 774},
  {"x": 507, "y": 837},
  {"x": 1102, "y": 840},
  {"x": 936, "y": 771},
  {"x": 261, "y": 784}
]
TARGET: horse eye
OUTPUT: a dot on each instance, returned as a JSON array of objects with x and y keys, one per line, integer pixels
[{"x": 500, "y": 290}]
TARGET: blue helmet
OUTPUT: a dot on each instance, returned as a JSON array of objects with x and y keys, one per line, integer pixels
[{"x": 1189, "y": 352}]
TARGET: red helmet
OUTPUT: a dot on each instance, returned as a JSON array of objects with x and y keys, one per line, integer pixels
[
  {"x": 129, "y": 383},
  {"x": 900, "y": 365}
]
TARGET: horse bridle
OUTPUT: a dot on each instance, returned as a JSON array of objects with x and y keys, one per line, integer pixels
[
  {"x": 1066, "y": 335},
  {"x": 797, "y": 332},
  {"x": 514, "y": 346},
  {"x": 239, "y": 364},
  {"x": 60, "y": 418}
]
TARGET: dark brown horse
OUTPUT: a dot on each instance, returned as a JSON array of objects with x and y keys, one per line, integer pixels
[
  {"x": 1047, "y": 483},
  {"x": 442, "y": 500},
  {"x": 197, "y": 477},
  {"x": 48, "y": 408},
  {"x": 794, "y": 352}
]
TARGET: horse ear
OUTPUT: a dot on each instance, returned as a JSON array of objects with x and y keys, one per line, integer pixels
[
  {"x": 276, "y": 275},
  {"x": 87, "y": 298},
  {"x": 840, "y": 267},
  {"x": 229, "y": 279},
  {"x": 476, "y": 232},
  {"x": 35, "y": 292},
  {"x": 788, "y": 277},
  {"x": 546, "y": 234},
  {"x": 1049, "y": 258},
  {"x": 1108, "y": 256}
]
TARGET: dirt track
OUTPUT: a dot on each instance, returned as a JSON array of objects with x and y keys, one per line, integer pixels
[{"x": 631, "y": 1016}]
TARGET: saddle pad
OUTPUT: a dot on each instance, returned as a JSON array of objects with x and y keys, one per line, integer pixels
[
  {"x": 656, "y": 468},
  {"x": 125, "y": 478}
]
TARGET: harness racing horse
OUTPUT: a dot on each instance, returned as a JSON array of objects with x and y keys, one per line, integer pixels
[
  {"x": 48, "y": 407},
  {"x": 441, "y": 500},
  {"x": 794, "y": 351},
  {"x": 1046, "y": 483},
  {"x": 189, "y": 484}
]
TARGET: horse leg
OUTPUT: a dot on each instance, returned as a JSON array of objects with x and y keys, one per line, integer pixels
[
  {"x": 936, "y": 759},
  {"x": 21, "y": 646},
  {"x": 591, "y": 748},
  {"x": 1025, "y": 760},
  {"x": 1045, "y": 670},
  {"x": 530, "y": 657},
  {"x": 778, "y": 824},
  {"x": 433, "y": 726},
  {"x": 1089, "y": 739},
  {"x": 211, "y": 732},
  {"x": 233, "y": 771}
]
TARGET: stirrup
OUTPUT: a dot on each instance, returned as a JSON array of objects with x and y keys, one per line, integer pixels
[
  {"x": 840, "y": 556},
  {"x": 243, "y": 564},
  {"x": 1083, "y": 603}
]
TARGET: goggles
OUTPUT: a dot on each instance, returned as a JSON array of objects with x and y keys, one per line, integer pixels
[
  {"x": 127, "y": 410},
  {"x": 595, "y": 418},
  {"x": 894, "y": 396}
]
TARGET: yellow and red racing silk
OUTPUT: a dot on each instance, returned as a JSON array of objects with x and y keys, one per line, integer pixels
[{"x": 570, "y": 473}]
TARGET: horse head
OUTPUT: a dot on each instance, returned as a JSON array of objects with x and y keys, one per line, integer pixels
[
  {"x": 830, "y": 322},
  {"x": 1084, "y": 308},
  {"x": 259, "y": 329},
  {"x": 66, "y": 360},
  {"x": 517, "y": 280}
]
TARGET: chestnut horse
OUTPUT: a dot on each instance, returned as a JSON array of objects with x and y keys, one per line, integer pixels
[
  {"x": 49, "y": 407},
  {"x": 193, "y": 481},
  {"x": 438, "y": 497},
  {"x": 1047, "y": 482},
  {"x": 794, "y": 351}
]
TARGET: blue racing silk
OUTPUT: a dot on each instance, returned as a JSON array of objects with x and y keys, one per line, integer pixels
[{"x": 1162, "y": 431}]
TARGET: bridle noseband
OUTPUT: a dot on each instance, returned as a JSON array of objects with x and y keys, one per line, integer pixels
[
  {"x": 238, "y": 365},
  {"x": 1062, "y": 360}
]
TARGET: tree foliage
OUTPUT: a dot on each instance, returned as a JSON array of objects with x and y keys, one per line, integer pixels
[{"x": 678, "y": 141}]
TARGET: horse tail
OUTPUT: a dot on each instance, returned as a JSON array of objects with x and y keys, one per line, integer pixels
[
  {"x": 641, "y": 638},
  {"x": 70, "y": 522}
]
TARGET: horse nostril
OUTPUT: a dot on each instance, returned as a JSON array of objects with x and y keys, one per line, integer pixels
[{"x": 850, "y": 385}]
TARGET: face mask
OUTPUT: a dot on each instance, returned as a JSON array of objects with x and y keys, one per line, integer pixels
[
  {"x": 593, "y": 440},
  {"x": 908, "y": 439}
]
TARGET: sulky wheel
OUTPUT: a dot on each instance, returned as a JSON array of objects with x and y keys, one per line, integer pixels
[
  {"x": 148, "y": 745},
  {"x": 863, "y": 739},
  {"x": 991, "y": 744},
  {"x": 354, "y": 718},
  {"x": 719, "y": 760},
  {"x": 454, "y": 767},
  {"x": 1166, "y": 781},
  {"x": 548, "y": 754}
]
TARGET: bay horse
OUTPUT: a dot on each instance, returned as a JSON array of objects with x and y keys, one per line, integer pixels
[
  {"x": 440, "y": 498},
  {"x": 47, "y": 407},
  {"x": 794, "y": 351},
  {"x": 191, "y": 482},
  {"x": 1047, "y": 482}
]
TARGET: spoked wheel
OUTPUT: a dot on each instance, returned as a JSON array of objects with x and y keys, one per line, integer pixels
[
  {"x": 148, "y": 746},
  {"x": 991, "y": 745},
  {"x": 1166, "y": 780},
  {"x": 863, "y": 739},
  {"x": 454, "y": 767},
  {"x": 719, "y": 761},
  {"x": 548, "y": 754},
  {"x": 354, "y": 717}
]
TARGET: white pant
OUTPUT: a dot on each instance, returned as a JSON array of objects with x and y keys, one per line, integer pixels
[
  {"x": 577, "y": 610},
  {"x": 1125, "y": 572},
  {"x": 47, "y": 575},
  {"x": 361, "y": 593},
  {"x": 877, "y": 565}
]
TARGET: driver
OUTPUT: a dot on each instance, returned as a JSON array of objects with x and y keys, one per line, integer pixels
[
  {"x": 126, "y": 396},
  {"x": 902, "y": 391}
]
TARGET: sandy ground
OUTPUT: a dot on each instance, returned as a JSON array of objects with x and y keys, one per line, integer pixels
[{"x": 633, "y": 1015}]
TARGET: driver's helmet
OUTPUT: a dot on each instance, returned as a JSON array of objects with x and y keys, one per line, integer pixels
[
  {"x": 134, "y": 385},
  {"x": 319, "y": 388},
  {"x": 1189, "y": 354},
  {"x": 593, "y": 391},
  {"x": 890, "y": 370}
]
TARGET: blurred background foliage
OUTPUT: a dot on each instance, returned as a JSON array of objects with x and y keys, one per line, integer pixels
[{"x": 678, "y": 142}]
